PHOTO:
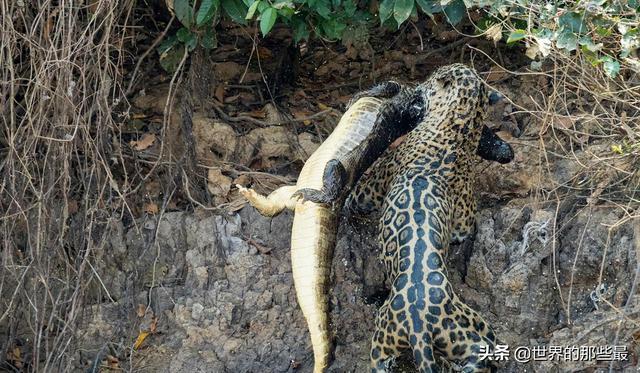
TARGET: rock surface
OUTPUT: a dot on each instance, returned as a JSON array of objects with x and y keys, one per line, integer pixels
[{"x": 222, "y": 292}]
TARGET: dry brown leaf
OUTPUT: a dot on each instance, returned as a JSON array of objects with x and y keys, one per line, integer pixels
[
  {"x": 211, "y": 134},
  {"x": 308, "y": 145},
  {"x": 264, "y": 53},
  {"x": 496, "y": 74},
  {"x": 14, "y": 355},
  {"x": 228, "y": 71},
  {"x": 139, "y": 116},
  {"x": 299, "y": 95},
  {"x": 150, "y": 208},
  {"x": 301, "y": 115},
  {"x": 219, "y": 94},
  {"x": 272, "y": 114},
  {"x": 259, "y": 113},
  {"x": 242, "y": 180},
  {"x": 72, "y": 206},
  {"x": 231, "y": 99},
  {"x": 494, "y": 32},
  {"x": 264, "y": 147},
  {"x": 261, "y": 248},
  {"x": 153, "y": 328},
  {"x": 146, "y": 141},
  {"x": 563, "y": 122},
  {"x": 217, "y": 183},
  {"x": 140, "y": 310},
  {"x": 153, "y": 189},
  {"x": 236, "y": 204},
  {"x": 532, "y": 51},
  {"x": 323, "y": 106},
  {"x": 141, "y": 337}
]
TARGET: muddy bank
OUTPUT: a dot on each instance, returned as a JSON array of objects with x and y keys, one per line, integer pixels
[{"x": 222, "y": 292}]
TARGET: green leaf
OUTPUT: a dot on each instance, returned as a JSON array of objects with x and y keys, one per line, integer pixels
[
  {"x": 455, "y": 11},
  {"x": 286, "y": 13},
  {"x": 611, "y": 66},
  {"x": 300, "y": 30},
  {"x": 236, "y": 10},
  {"x": 184, "y": 12},
  {"x": 267, "y": 20},
  {"x": 184, "y": 34},
  {"x": 168, "y": 43},
  {"x": 322, "y": 8},
  {"x": 187, "y": 37},
  {"x": 209, "y": 39},
  {"x": 592, "y": 57},
  {"x": 516, "y": 35},
  {"x": 332, "y": 28},
  {"x": 587, "y": 43},
  {"x": 568, "y": 41},
  {"x": 350, "y": 8},
  {"x": 252, "y": 9},
  {"x": 573, "y": 21},
  {"x": 402, "y": 10},
  {"x": 208, "y": 9},
  {"x": 384, "y": 10},
  {"x": 430, "y": 7},
  {"x": 170, "y": 59}
]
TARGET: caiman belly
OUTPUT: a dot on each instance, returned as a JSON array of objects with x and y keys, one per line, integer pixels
[
  {"x": 354, "y": 127},
  {"x": 312, "y": 242}
]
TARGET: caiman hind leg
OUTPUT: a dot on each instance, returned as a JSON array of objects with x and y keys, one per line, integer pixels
[
  {"x": 396, "y": 116},
  {"x": 334, "y": 179},
  {"x": 273, "y": 204}
]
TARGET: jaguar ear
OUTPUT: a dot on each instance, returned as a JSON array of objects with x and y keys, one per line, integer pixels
[{"x": 492, "y": 148}]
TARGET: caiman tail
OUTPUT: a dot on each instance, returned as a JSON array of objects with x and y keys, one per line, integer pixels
[
  {"x": 312, "y": 241},
  {"x": 315, "y": 224}
]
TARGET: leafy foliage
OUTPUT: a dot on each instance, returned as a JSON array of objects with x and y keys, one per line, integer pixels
[
  {"x": 605, "y": 31},
  {"x": 198, "y": 27}
]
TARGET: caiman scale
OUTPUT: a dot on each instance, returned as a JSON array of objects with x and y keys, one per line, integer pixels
[{"x": 376, "y": 118}]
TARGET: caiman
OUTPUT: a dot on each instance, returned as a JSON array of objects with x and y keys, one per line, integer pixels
[
  {"x": 376, "y": 118},
  {"x": 373, "y": 121}
]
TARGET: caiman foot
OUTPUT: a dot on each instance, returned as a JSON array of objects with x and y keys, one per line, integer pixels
[
  {"x": 334, "y": 180},
  {"x": 270, "y": 205},
  {"x": 313, "y": 195}
]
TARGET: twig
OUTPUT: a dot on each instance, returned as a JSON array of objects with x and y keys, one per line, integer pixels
[{"x": 146, "y": 53}]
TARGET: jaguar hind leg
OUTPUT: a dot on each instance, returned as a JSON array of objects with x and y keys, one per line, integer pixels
[
  {"x": 274, "y": 203},
  {"x": 388, "y": 340},
  {"x": 462, "y": 333}
]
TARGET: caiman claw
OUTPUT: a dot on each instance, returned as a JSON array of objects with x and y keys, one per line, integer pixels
[{"x": 334, "y": 181}]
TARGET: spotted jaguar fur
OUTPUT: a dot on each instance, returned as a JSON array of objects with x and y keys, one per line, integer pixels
[{"x": 424, "y": 191}]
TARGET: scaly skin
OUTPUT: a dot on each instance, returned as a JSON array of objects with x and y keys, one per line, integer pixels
[{"x": 314, "y": 225}]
